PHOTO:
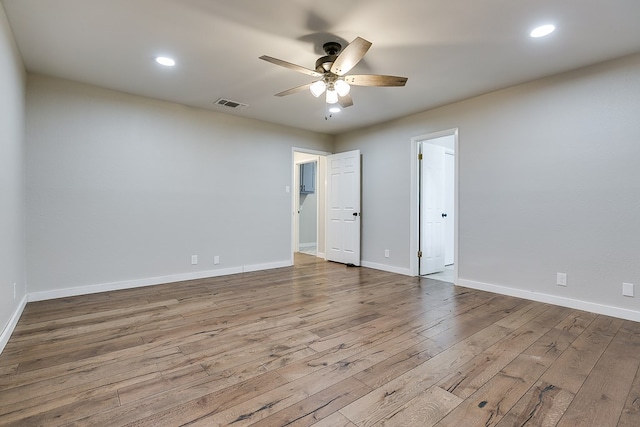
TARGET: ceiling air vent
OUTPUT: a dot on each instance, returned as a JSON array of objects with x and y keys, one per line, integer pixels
[{"x": 231, "y": 104}]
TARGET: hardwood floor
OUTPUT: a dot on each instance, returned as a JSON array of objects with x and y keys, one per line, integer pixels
[{"x": 317, "y": 344}]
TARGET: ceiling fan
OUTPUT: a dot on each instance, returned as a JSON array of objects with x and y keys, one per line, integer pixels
[{"x": 332, "y": 69}]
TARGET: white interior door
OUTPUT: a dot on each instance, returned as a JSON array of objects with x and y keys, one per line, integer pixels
[
  {"x": 449, "y": 206},
  {"x": 343, "y": 219},
  {"x": 432, "y": 230}
]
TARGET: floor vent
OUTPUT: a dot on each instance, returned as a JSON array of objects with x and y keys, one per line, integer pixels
[{"x": 231, "y": 104}]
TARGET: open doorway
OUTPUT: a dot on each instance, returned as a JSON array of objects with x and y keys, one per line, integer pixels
[
  {"x": 308, "y": 207},
  {"x": 434, "y": 224},
  {"x": 309, "y": 203}
]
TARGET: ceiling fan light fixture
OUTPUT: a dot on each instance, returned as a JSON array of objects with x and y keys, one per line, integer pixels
[
  {"x": 317, "y": 88},
  {"x": 335, "y": 109},
  {"x": 332, "y": 96},
  {"x": 342, "y": 87}
]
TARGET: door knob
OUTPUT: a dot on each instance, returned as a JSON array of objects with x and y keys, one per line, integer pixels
[
  {"x": 355, "y": 214},
  {"x": 444, "y": 215}
]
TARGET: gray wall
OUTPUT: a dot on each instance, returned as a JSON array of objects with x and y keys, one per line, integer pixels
[
  {"x": 549, "y": 181},
  {"x": 123, "y": 188},
  {"x": 309, "y": 216},
  {"x": 12, "y": 253}
]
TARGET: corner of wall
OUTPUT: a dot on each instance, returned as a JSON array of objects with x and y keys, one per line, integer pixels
[
  {"x": 13, "y": 321},
  {"x": 13, "y": 78}
]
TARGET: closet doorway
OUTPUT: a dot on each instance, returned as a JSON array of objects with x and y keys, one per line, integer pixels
[{"x": 435, "y": 173}]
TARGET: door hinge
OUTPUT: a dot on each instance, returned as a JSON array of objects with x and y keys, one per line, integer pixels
[
  {"x": 420, "y": 156},
  {"x": 419, "y": 254}
]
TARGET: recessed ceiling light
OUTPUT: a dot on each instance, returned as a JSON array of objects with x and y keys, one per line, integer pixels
[
  {"x": 166, "y": 61},
  {"x": 543, "y": 30}
]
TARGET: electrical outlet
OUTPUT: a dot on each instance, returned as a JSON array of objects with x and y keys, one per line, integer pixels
[
  {"x": 561, "y": 279},
  {"x": 194, "y": 259},
  {"x": 216, "y": 259},
  {"x": 386, "y": 253},
  {"x": 627, "y": 289}
]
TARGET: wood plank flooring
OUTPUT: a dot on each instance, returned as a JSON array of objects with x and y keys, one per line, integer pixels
[{"x": 317, "y": 344}]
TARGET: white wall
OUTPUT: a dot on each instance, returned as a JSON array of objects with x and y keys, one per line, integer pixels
[
  {"x": 12, "y": 194},
  {"x": 122, "y": 190},
  {"x": 549, "y": 181}
]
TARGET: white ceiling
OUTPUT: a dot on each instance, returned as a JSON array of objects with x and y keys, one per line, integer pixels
[{"x": 449, "y": 49}]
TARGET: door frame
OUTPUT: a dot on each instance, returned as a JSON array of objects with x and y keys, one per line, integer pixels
[
  {"x": 431, "y": 198},
  {"x": 294, "y": 197},
  {"x": 414, "y": 217}
]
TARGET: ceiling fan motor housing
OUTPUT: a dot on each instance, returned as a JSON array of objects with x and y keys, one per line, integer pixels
[
  {"x": 324, "y": 63},
  {"x": 332, "y": 49}
]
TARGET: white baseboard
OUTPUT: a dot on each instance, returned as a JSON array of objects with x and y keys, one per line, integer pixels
[
  {"x": 267, "y": 266},
  {"x": 138, "y": 283},
  {"x": 607, "y": 310},
  {"x": 384, "y": 267},
  {"x": 8, "y": 330},
  {"x": 127, "y": 284},
  {"x": 307, "y": 245}
]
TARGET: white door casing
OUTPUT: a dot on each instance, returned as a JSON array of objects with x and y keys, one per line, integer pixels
[
  {"x": 343, "y": 218},
  {"x": 296, "y": 204},
  {"x": 432, "y": 231},
  {"x": 302, "y": 155}
]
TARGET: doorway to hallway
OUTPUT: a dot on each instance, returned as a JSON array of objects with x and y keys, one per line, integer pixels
[{"x": 309, "y": 201}]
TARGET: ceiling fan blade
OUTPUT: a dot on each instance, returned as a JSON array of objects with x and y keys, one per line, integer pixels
[
  {"x": 350, "y": 56},
  {"x": 291, "y": 66},
  {"x": 375, "y": 80},
  {"x": 294, "y": 90},
  {"x": 345, "y": 101}
]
